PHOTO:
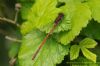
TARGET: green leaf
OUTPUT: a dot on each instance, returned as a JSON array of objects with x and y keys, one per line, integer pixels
[
  {"x": 95, "y": 8},
  {"x": 74, "y": 52},
  {"x": 81, "y": 61},
  {"x": 89, "y": 55},
  {"x": 68, "y": 10},
  {"x": 25, "y": 10},
  {"x": 51, "y": 53},
  {"x": 42, "y": 16},
  {"x": 79, "y": 20},
  {"x": 42, "y": 13},
  {"x": 88, "y": 43},
  {"x": 65, "y": 23}
]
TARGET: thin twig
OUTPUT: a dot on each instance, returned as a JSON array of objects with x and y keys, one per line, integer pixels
[
  {"x": 9, "y": 21},
  {"x": 12, "y": 39},
  {"x": 12, "y": 61},
  {"x": 17, "y": 8},
  {"x": 16, "y": 16},
  {"x": 8, "y": 37}
]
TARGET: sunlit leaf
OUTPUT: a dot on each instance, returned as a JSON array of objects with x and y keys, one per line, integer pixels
[
  {"x": 89, "y": 55},
  {"x": 95, "y": 8},
  {"x": 50, "y": 54},
  {"x": 42, "y": 13},
  {"x": 74, "y": 52},
  {"x": 79, "y": 20},
  {"x": 88, "y": 43}
]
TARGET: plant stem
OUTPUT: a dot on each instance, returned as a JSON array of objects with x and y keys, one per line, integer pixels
[
  {"x": 12, "y": 61},
  {"x": 12, "y": 39},
  {"x": 9, "y": 21}
]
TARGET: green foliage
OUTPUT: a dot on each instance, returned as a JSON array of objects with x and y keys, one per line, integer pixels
[
  {"x": 78, "y": 22},
  {"x": 95, "y": 9},
  {"x": 40, "y": 16},
  {"x": 83, "y": 45},
  {"x": 82, "y": 61},
  {"x": 74, "y": 52},
  {"x": 26, "y": 6},
  {"x": 88, "y": 43},
  {"x": 89, "y": 55},
  {"x": 50, "y": 54}
]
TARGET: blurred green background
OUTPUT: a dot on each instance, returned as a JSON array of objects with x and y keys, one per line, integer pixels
[{"x": 7, "y": 10}]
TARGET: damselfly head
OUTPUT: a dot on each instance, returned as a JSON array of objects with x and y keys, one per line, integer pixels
[{"x": 60, "y": 16}]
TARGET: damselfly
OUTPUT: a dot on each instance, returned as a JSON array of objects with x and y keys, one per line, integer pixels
[{"x": 56, "y": 22}]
